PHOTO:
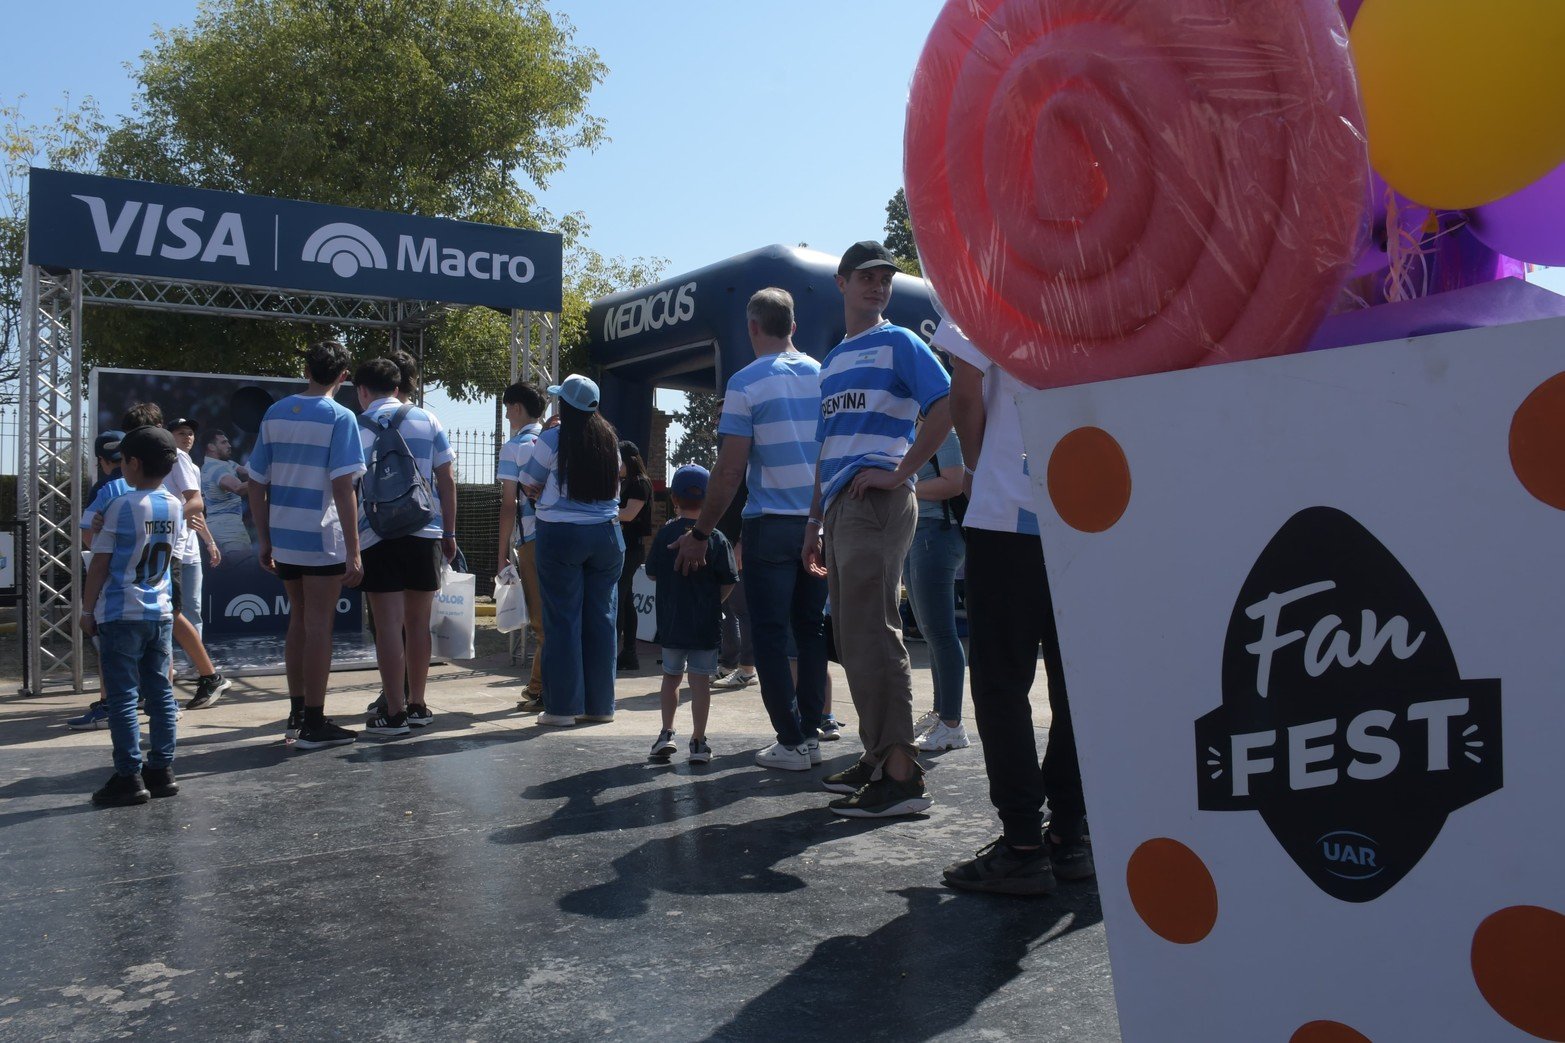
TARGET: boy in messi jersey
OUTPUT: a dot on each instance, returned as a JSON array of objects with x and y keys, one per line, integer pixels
[
  {"x": 131, "y": 613},
  {"x": 875, "y": 387}
]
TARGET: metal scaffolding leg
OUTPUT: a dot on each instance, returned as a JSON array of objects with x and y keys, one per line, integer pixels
[{"x": 52, "y": 480}]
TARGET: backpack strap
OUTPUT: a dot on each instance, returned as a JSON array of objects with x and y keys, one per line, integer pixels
[
  {"x": 945, "y": 505},
  {"x": 397, "y": 417}
]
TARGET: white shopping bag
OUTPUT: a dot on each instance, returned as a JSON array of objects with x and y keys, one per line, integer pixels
[
  {"x": 510, "y": 604},
  {"x": 451, "y": 623}
]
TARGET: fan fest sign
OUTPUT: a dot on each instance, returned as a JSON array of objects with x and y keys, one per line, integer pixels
[{"x": 1310, "y": 610}]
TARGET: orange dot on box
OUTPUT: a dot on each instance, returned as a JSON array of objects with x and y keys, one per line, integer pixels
[
  {"x": 1519, "y": 964},
  {"x": 1172, "y": 891},
  {"x": 1327, "y": 1032},
  {"x": 1089, "y": 480},
  {"x": 1538, "y": 442}
]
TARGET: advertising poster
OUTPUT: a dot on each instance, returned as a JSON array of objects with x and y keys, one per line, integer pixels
[
  {"x": 1310, "y": 609},
  {"x": 239, "y": 598}
]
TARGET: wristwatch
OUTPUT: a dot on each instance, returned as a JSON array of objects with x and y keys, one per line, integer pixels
[{"x": 699, "y": 536}]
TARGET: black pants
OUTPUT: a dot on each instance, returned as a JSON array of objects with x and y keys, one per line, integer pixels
[
  {"x": 635, "y": 554},
  {"x": 1010, "y": 615}
]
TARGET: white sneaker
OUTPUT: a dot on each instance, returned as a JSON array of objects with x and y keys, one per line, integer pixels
[
  {"x": 944, "y": 737},
  {"x": 664, "y": 746},
  {"x": 788, "y": 758},
  {"x": 926, "y": 722},
  {"x": 737, "y": 679},
  {"x": 812, "y": 747},
  {"x": 556, "y": 720}
]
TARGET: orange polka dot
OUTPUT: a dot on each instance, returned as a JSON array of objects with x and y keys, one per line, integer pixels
[
  {"x": 1327, "y": 1032},
  {"x": 1519, "y": 964},
  {"x": 1538, "y": 442},
  {"x": 1089, "y": 480},
  {"x": 1172, "y": 891}
]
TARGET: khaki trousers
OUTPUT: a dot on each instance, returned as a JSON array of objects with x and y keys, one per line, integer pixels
[
  {"x": 527, "y": 569},
  {"x": 867, "y": 541}
]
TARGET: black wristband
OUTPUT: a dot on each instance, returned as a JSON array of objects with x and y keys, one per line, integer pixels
[{"x": 699, "y": 536}]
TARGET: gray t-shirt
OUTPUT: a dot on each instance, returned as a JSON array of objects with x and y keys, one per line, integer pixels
[{"x": 949, "y": 457}]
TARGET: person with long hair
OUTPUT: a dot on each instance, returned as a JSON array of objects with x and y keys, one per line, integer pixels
[
  {"x": 635, "y": 520},
  {"x": 573, "y": 475}
]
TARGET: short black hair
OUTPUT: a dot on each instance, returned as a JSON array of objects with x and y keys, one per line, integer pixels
[
  {"x": 530, "y": 396},
  {"x": 325, "y": 361},
  {"x": 142, "y": 414},
  {"x": 210, "y": 436},
  {"x": 378, "y": 376}
]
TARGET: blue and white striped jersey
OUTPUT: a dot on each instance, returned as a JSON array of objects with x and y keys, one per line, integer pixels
[
  {"x": 217, "y": 499},
  {"x": 141, "y": 533},
  {"x": 305, "y": 442},
  {"x": 775, "y": 402},
  {"x": 552, "y": 506},
  {"x": 108, "y": 492},
  {"x": 430, "y": 447},
  {"x": 874, "y": 387},
  {"x": 516, "y": 452}
]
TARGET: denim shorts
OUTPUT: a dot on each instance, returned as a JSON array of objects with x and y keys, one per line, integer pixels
[{"x": 699, "y": 661}]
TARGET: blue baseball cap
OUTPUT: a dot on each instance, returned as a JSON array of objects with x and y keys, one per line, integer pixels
[
  {"x": 107, "y": 445},
  {"x": 578, "y": 391},
  {"x": 690, "y": 481}
]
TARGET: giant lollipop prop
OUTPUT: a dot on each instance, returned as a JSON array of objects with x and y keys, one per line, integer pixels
[{"x": 1105, "y": 188}]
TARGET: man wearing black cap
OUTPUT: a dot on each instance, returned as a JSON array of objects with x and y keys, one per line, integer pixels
[{"x": 875, "y": 387}]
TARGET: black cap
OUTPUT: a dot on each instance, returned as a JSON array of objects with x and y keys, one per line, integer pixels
[
  {"x": 107, "y": 445},
  {"x": 182, "y": 421},
  {"x": 149, "y": 445},
  {"x": 866, "y": 254}
]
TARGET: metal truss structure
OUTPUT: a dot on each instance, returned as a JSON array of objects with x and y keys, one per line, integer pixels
[{"x": 53, "y": 451}]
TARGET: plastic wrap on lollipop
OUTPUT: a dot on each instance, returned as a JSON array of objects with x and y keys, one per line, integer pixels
[{"x": 1106, "y": 188}]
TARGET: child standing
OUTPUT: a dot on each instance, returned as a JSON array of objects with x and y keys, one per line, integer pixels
[
  {"x": 131, "y": 612},
  {"x": 690, "y": 612}
]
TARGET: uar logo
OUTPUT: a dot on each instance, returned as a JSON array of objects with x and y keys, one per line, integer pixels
[
  {"x": 247, "y": 608},
  {"x": 346, "y": 247}
]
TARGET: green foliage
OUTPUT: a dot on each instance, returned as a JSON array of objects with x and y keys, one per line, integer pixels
[
  {"x": 698, "y": 441},
  {"x": 70, "y": 142},
  {"x": 442, "y": 108},
  {"x": 899, "y": 235}
]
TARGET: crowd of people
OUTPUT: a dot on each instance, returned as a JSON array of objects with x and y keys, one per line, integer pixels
[{"x": 879, "y": 463}]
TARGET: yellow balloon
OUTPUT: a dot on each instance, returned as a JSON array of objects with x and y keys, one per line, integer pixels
[{"x": 1462, "y": 98}]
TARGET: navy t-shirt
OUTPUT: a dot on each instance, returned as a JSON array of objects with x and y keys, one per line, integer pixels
[{"x": 690, "y": 608}]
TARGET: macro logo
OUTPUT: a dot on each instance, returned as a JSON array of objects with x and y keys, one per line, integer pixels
[
  {"x": 346, "y": 247},
  {"x": 247, "y": 608},
  {"x": 1345, "y": 721}
]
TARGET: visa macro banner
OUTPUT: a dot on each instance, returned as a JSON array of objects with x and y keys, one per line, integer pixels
[
  {"x": 1309, "y": 609},
  {"x": 127, "y": 227}
]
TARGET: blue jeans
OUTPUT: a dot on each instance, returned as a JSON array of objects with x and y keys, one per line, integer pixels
[
  {"x": 190, "y": 577},
  {"x": 134, "y": 659},
  {"x": 784, "y": 600},
  {"x": 937, "y": 552},
  {"x": 578, "y": 578}
]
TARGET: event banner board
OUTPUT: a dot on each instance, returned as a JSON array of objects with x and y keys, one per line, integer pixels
[
  {"x": 1310, "y": 609},
  {"x": 126, "y": 227},
  {"x": 238, "y": 597}
]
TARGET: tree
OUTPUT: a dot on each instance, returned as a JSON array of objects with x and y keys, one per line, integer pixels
[
  {"x": 443, "y": 108},
  {"x": 698, "y": 441},
  {"x": 70, "y": 142},
  {"x": 899, "y": 235}
]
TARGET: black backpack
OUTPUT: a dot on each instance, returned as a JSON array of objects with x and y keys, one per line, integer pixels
[{"x": 954, "y": 508}]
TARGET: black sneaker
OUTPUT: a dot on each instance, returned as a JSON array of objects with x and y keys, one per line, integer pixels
[
  {"x": 1072, "y": 859},
  {"x": 320, "y": 736},
  {"x": 121, "y": 791},
  {"x": 849, "y": 781},
  {"x": 700, "y": 752},
  {"x": 294, "y": 725},
  {"x": 885, "y": 797},
  {"x": 384, "y": 724},
  {"x": 420, "y": 717},
  {"x": 379, "y": 705},
  {"x": 1002, "y": 870},
  {"x": 208, "y": 689},
  {"x": 663, "y": 747},
  {"x": 160, "y": 781},
  {"x": 627, "y": 663},
  {"x": 529, "y": 703}
]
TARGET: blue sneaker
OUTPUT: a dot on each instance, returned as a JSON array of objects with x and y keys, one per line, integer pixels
[{"x": 95, "y": 717}]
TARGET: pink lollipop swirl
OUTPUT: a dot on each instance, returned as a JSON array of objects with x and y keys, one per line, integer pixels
[{"x": 1104, "y": 188}]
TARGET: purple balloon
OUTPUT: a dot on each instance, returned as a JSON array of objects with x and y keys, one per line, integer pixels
[
  {"x": 1410, "y": 216},
  {"x": 1350, "y": 10},
  {"x": 1529, "y": 224}
]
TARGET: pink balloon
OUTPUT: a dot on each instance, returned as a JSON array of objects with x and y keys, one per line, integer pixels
[
  {"x": 1529, "y": 225},
  {"x": 1104, "y": 188}
]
